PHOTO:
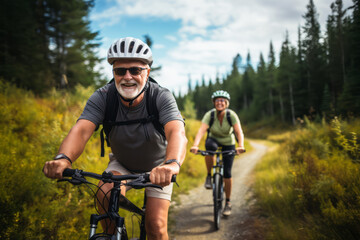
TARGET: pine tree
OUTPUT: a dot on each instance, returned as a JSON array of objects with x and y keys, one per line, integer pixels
[
  {"x": 232, "y": 84},
  {"x": 300, "y": 84},
  {"x": 247, "y": 83},
  {"x": 259, "y": 106},
  {"x": 23, "y": 56},
  {"x": 47, "y": 43},
  {"x": 314, "y": 58},
  {"x": 285, "y": 80},
  {"x": 337, "y": 46},
  {"x": 270, "y": 74},
  {"x": 349, "y": 100}
]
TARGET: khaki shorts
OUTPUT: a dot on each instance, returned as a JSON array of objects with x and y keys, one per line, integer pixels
[{"x": 164, "y": 193}]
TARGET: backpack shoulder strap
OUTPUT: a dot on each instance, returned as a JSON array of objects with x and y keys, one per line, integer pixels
[
  {"x": 111, "y": 109},
  {"x": 212, "y": 118},
  {"x": 151, "y": 107},
  {"x": 230, "y": 123},
  {"x": 228, "y": 117}
]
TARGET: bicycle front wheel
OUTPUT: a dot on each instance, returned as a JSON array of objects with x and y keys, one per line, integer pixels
[
  {"x": 101, "y": 236},
  {"x": 218, "y": 199}
]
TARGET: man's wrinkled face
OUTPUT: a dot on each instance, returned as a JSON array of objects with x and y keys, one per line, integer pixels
[{"x": 130, "y": 77}]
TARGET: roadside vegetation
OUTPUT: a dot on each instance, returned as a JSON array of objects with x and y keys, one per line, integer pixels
[
  {"x": 308, "y": 187},
  {"x": 33, "y": 128}
]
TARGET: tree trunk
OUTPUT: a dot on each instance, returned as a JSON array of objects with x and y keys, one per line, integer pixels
[
  {"x": 281, "y": 107},
  {"x": 292, "y": 103},
  {"x": 271, "y": 103}
]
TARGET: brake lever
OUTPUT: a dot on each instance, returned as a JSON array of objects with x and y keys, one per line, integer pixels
[
  {"x": 76, "y": 179},
  {"x": 73, "y": 181}
]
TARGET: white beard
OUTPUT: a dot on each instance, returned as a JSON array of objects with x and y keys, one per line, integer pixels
[{"x": 131, "y": 91}]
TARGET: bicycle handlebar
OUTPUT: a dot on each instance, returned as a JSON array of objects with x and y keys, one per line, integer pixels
[
  {"x": 208, "y": 152},
  {"x": 139, "y": 180}
]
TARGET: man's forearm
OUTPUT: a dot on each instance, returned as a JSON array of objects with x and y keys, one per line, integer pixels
[
  {"x": 74, "y": 143},
  {"x": 177, "y": 141}
]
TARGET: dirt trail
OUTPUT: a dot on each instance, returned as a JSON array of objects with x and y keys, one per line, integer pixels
[{"x": 194, "y": 216}]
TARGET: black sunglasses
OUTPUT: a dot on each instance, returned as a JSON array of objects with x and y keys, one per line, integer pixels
[{"x": 133, "y": 70}]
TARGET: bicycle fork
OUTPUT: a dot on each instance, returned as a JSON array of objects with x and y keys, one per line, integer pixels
[
  {"x": 218, "y": 170},
  {"x": 95, "y": 218},
  {"x": 112, "y": 214}
]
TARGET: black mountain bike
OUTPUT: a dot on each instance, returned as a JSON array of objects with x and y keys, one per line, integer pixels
[
  {"x": 218, "y": 186},
  {"x": 116, "y": 200}
]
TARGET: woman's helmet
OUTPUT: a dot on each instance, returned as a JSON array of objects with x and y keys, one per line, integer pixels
[
  {"x": 130, "y": 48},
  {"x": 220, "y": 93}
]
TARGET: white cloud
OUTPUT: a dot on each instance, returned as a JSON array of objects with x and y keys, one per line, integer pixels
[
  {"x": 158, "y": 46},
  {"x": 212, "y": 32}
]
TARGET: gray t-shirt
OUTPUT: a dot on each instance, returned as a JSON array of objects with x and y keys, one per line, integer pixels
[{"x": 138, "y": 147}]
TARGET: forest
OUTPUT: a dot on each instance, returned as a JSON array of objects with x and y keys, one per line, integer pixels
[
  {"x": 48, "y": 44},
  {"x": 47, "y": 72},
  {"x": 319, "y": 76}
]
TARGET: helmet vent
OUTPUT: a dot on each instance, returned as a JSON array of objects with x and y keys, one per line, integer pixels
[
  {"x": 131, "y": 46},
  {"x": 122, "y": 47},
  {"x": 139, "y": 48}
]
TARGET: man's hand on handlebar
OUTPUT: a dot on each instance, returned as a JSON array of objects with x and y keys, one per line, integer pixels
[
  {"x": 162, "y": 174},
  {"x": 54, "y": 168}
]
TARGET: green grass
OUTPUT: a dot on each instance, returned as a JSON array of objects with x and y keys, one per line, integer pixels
[
  {"x": 308, "y": 186},
  {"x": 33, "y": 129}
]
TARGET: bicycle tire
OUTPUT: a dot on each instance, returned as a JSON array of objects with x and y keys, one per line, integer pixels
[
  {"x": 104, "y": 236},
  {"x": 101, "y": 236},
  {"x": 124, "y": 235},
  {"x": 218, "y": 199}
]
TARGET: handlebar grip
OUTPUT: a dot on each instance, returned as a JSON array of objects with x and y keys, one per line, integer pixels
[
  {"x": 68, "y": 172},
  {"x": 147, "y": 178}
]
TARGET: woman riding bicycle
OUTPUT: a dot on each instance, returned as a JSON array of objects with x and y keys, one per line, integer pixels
[{"x": 220, "y": 134}]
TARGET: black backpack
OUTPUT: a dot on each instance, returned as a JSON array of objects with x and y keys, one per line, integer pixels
[
  {"x": 112, "y": 106},
  {"x": 212, "y": 117}
]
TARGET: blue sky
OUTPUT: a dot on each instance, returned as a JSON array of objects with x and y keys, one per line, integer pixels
[{"x": 200, "y": 38}]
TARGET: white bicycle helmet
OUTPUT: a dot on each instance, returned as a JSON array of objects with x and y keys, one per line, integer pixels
[
  {"x": 130, "y": 48},
  {"x": 220, "y": 93}
]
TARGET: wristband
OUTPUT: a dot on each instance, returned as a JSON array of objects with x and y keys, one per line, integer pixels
[
  {"x": 62, "y": 156},
  {"x": 173, "y": 160}
]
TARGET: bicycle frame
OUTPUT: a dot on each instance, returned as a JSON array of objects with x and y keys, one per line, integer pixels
[
  {"x": 218, "y": 167},
  {"x": 116, "y": 201},
  {"x": 218, "y": 186},
  {"x": 113, "y": 214},
  {"x": 218, "y": 189}
]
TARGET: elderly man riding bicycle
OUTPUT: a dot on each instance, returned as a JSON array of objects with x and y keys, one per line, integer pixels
[{"x": 140, "y": 141}]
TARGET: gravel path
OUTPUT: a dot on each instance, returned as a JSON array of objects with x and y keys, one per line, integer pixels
[{"x": 194, "y": 216}]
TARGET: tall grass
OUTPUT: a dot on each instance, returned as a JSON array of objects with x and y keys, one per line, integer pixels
[
  {"x": 34, "y": 207},
  {"x": 309, "y": 187},
  {"x": 32, "y": 129}
]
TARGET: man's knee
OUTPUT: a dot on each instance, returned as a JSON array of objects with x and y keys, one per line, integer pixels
[
  {"x": 156, "y": 218},
  {"x": 156, "y": 228}
]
